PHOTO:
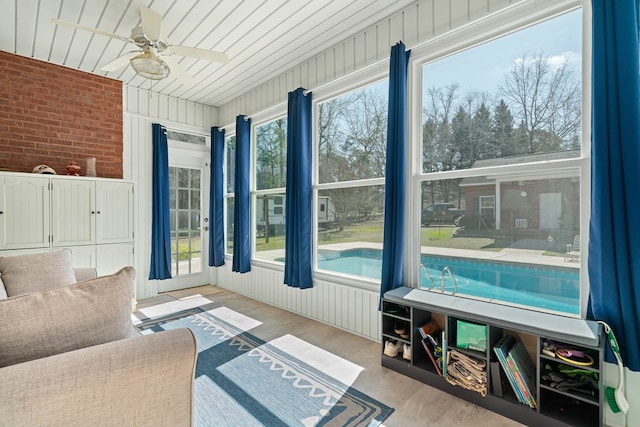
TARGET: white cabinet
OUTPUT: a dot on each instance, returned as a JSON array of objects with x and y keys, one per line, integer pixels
[
  {"x": 86, "y": 212},
  {"x": 24, "y": 212},
  {"x": 91, "y": 217}
]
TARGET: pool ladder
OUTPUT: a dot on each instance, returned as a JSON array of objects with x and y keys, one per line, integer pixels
[{"x": 442, "y": 277}]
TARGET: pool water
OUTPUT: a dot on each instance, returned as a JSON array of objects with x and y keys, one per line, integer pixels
[{"x": 542, "y": 287}]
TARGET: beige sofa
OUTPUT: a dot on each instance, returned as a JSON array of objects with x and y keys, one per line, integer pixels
[{"x": 69, "y": 354}]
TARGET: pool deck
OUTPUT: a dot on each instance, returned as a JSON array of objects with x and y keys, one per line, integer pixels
[{"x": 524, "y": 256}]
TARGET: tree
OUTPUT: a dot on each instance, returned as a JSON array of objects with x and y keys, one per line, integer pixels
[
  {"x": 271, "y": 146},
  {"x": 546, "y": 99}
]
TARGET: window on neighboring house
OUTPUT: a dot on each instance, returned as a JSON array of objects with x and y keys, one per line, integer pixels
[
  {"x": 501, "y": 168},
  {"x": 351, "y": 148},
  {"x": 270, "y": 151},
  {"x": 229, "y": 197}
]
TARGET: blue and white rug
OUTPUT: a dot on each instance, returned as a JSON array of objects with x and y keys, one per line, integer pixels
[{"x": 242, "y": 380}]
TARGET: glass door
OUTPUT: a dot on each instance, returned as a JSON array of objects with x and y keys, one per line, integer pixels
[{"x": 189, "y": 205}]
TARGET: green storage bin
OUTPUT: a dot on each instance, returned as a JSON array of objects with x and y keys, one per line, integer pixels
[{"x": 471, "y": 335}]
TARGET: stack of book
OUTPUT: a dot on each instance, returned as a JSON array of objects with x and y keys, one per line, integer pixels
[{"x": 519, "y": 368}]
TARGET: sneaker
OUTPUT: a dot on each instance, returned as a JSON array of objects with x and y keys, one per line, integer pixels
[
  {"x": 391, "y": 348},
  {"x": 406, "y": 353}
]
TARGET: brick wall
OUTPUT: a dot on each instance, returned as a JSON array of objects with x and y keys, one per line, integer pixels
[{"x": 54, "y": 115}]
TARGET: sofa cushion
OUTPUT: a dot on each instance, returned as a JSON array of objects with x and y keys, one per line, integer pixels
[
  {"x": 66, "y": 318},
  {"x": 23, "y": 274}
]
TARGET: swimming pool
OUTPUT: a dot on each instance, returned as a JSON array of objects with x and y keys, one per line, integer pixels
[{"x": 546, "y": 288}]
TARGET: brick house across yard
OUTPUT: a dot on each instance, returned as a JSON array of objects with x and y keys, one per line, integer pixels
[{"x": 541, "y": 204}]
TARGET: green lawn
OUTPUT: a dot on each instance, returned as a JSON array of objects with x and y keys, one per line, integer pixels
[{"x": 438, "y": 236}]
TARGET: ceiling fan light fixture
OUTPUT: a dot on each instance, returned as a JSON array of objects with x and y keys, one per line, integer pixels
[{"x": 150, "y": 66}]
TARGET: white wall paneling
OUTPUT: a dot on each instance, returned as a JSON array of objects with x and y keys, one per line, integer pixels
[{"x": 345, "y": 307}]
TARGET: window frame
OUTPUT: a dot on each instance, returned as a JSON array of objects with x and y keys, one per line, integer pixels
[
  {"x": 359, "y": 80},
  {"x": 510, "y": 20}
]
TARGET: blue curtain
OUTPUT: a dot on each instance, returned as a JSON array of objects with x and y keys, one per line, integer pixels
[
  {"x": 160, "y": 221},
  {"x": 614, "y": 233},
  {"x": 241, "y": 218},
  {"x": 216, "y": 199},
  {"x": 394, "y": 198},
  {"x": 298, "y": 210}
]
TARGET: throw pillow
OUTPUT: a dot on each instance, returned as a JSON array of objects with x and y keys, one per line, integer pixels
[
  {"x": 23, "y": 274},
  {"x": 67, "y": 318}
]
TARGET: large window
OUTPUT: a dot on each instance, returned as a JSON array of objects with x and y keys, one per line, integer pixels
[
  {"x": 500, "y": 181},
  {"x": 351, "y": 148},
  {"x": 269, "y": 198}
]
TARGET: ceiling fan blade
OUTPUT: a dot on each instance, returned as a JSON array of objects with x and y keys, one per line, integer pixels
[
  {"x": 151, "y": 23},
  {"x": 178, "y": 71},
  {"x": 195, "y": 52},
  {"x": 93, "y": 30},
  {"x": 120, "y": 61}
]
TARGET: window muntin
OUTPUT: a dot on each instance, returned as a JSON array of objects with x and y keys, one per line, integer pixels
[
  {"x": 511, "y": 171},
  {"x": 270, "y": 181}
]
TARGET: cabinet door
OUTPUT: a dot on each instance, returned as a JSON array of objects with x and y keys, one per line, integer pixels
[
  {"x": 111, "y": 258},
  {"x": 73, "y": 212},
  {"x": 83, "y": 256},
  {"x": 114, "y": 212},
  {"x": 25, "y": 213}
]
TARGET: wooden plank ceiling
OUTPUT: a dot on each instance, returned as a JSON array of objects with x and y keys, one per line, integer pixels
[{"x": 261, "y": 37}]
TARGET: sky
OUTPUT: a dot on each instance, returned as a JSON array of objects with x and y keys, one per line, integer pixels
[{"x": 490, "y": 61}]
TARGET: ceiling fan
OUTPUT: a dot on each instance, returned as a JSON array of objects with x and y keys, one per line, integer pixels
[{"x": 153, "y": 60}]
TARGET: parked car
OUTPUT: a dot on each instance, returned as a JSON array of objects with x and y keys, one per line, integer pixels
[{"x": 441, "y": 213}]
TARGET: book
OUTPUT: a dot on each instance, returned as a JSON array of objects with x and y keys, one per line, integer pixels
[
  {"x": 501, "y": 349},
  {"x": 431, "y": 347},
  {"x": 524, "y": 370},
  {"x": 428, "y": 328}
]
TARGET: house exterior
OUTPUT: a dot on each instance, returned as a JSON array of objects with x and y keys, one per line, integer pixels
[{"x": 531, "y": 205}]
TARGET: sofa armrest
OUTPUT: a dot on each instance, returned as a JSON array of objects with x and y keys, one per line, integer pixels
[
  {"x": 144, "y": 380},
  {"x": 83, "y": 274}
]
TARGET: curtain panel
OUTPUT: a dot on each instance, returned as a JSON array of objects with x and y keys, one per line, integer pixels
[
  {"x": 160, "y": 267},
  {"x": 614, "y": 232},
  {"x": 298, "y": 203},
  {"x": 216, "y": 199},
  {"x": 241, "y": 218},
  {"x": 394, "y": 198}
]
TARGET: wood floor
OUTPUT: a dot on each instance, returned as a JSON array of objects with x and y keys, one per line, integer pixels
[{"x": 415, "y": 403}]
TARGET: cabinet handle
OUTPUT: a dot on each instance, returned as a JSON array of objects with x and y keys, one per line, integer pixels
[
  {"x": 1, "y": 212},
  {"x": 93, "y": 212},
  {"x": 98, "y": 211}
]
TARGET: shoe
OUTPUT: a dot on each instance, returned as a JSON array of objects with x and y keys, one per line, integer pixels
[
  {"x": 391, "y": 348},
  {"x": 400, "y": 328},
  {"x": 406, "y": 352}
]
